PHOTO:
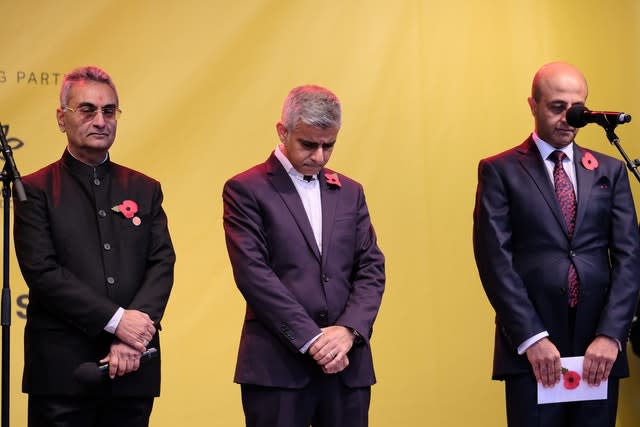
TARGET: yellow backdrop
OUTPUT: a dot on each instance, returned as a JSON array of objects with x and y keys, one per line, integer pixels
[{"x": 428, "y": 88}]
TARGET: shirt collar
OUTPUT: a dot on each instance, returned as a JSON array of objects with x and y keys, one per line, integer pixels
[
  {"x": 286, "y": 164},
  {"x": 546, "y": 149}
]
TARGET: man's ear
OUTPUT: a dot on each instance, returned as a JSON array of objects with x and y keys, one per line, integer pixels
[
  {"x": 60, "y": 119},
  {"x": 533, "y": 105},
  {"x": 282, "y": 131}
]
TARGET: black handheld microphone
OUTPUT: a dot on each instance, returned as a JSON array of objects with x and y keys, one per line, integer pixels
[
  {"x": 92, "y": 373},
  {"x": 579, "y": 116}
]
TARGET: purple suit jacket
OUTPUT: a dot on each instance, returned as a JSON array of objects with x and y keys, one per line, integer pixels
[
  {"x": 291, "y": 289},
  {"x": 523, "y": 252}
]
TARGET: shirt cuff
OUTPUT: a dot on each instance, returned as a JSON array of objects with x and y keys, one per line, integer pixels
[
  {"x": 305, "y": 347},
  {"x": 114, "y": 321},
  {"x": 531, "y": 341}
]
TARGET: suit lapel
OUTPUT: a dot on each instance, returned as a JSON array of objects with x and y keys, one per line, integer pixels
[
  {"x": 281, "y": 181},
  {"x": 585, "y": 184},
  {"x": 329, "y": 203},
  {"x": 534, "y": 165}
]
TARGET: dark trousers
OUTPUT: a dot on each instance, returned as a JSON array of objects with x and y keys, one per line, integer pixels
[
  {"x": 524, "y": 411},
  {"x": 47, "y": 411},
  {"x": 324, "y": 402}
]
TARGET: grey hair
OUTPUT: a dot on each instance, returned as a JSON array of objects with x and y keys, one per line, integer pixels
[
  {"x": 312, "y": 105},
  {"x": 88, "y": 73}
]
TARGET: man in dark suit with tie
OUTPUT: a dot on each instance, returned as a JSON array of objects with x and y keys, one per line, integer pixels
[
  {"x": 556, "y": 245},
  {"x": 305, "y": 257},
  {"x": 94, "y": 248}
]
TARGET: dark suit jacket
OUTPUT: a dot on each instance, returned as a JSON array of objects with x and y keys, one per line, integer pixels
[
  {"x": 81, "y": 261},
  {"x": 523, "y": 252},
  {"x": 291, "y": 290}
]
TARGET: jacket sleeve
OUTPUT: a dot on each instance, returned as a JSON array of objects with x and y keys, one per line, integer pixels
[
  {"x": 624, "y": 257},
  {"x": 368, "y": 278},
  {"x": 267, "y": 297},
  {"x": 492, "y": 234},
  {"x": 153, "y": 295}
]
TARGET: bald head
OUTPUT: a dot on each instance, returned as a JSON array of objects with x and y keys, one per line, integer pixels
[
  {"x": 557, "y": 76},
  {"x": 556, "y": 87}
]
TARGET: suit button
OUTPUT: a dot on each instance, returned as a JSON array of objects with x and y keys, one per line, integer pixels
[
  {"x": 96, "y": 181},
  {"x": 325, "y": 278},
  {"x": 287, "y": 332},
  {"x": 323, "y": 319},
  {"x": 102, "y": 213},
  {"x": 107, "y": 247},
  {"x": 111, "y": 280},
  {"x": 504, "y": 331}
]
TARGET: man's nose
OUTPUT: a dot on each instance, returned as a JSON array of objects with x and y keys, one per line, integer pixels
[
  {"x": 99, "y": 120},
  {"x": 318, "y": 155}
]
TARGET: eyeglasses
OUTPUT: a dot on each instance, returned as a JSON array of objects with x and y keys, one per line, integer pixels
[{"x": 88, "y": 112}]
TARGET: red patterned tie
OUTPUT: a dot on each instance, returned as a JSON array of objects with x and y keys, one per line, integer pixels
[{"x": 567, "y": 198}]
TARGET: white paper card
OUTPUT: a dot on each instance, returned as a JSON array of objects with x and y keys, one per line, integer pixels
[{"x": 572, "y": 387}]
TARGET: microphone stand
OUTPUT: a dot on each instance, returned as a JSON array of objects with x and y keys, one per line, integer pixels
[
  {"x": 613, "y": 139},
  {"x": 632, "y": 165},
  {"x": 9, "y": 174}
]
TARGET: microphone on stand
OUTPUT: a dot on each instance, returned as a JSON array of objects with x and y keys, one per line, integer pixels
[
  {"x": 10, "y": 167},
  {"x": 92, "y": 373},
  {"x": 579, "y": 116}
]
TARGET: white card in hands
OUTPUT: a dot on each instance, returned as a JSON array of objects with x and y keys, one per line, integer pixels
[{"x": 572, "y": 387}]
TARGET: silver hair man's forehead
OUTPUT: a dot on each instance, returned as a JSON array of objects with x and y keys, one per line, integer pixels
[
  {"x": 88, "y": 73},
  {"x": 312, "y": 105}
]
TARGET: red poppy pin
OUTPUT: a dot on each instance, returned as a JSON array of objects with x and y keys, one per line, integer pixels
[
  {"x": 571, "y": 379},
  {"x": 588, "y": 161},
  {"x": 332, "y": 179},
  {"x": 128, "y": 208}
]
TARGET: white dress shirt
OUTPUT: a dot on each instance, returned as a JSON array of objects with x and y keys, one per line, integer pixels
[{"x": 309, "y": 192}]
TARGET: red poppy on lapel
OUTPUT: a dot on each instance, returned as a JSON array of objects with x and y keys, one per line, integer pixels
[
  {"x": 588, "y": 161},
  {"x": 332, "y": 179},
  {"x": 128, "y": 208}
]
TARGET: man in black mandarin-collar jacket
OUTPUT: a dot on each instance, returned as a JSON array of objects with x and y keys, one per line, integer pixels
[{"x": 94, "y": 248}]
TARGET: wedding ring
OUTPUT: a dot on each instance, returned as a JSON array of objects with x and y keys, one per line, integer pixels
[{"x": 332, "y": 354}]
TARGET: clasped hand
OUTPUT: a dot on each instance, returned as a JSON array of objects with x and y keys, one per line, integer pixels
[
  {"x": 122, "y": 359},
  {"x": 135, "y": 329},
  {"x": 331, "y": 348},
  {"x": 598, "y": 361}
]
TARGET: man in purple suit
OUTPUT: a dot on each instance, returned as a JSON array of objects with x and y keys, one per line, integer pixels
[
  {"x": 556, "y": 244},
  {"x": 305, "y": 257}
]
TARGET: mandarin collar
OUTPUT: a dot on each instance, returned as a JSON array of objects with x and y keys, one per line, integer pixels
[{"x": 80, "y": 168}]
